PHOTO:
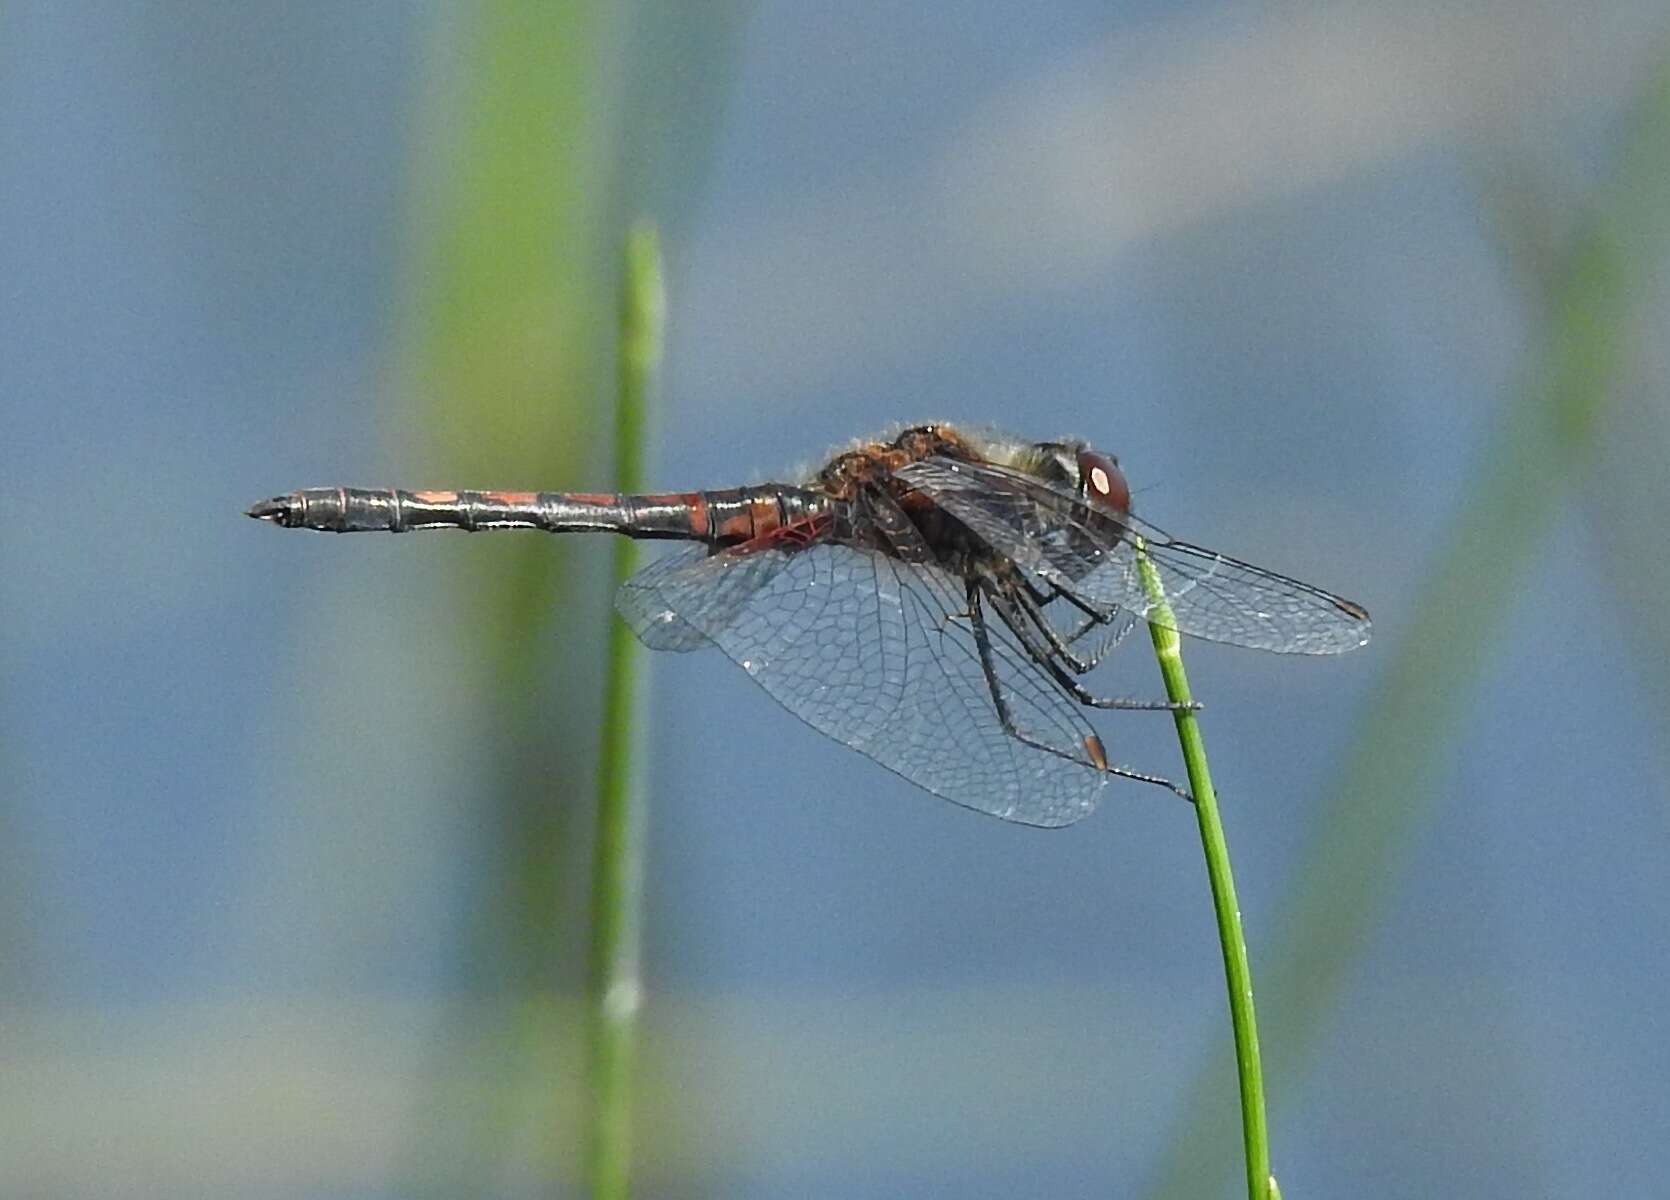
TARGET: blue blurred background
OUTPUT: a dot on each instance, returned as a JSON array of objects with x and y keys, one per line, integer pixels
[{"x": 294, "y": 830}]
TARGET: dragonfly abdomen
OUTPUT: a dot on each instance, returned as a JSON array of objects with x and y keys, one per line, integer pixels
[{"x": 728, "y": 516}]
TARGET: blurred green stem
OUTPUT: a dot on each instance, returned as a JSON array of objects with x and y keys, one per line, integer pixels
[
  {"x": 617, "y": 872},
  {"x": 1237, "y": 971}
]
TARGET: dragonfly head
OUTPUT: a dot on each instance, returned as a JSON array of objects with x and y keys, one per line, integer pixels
[
  {"x": 1101, "y": 482},
  {"x": 1092, "y": 474}
]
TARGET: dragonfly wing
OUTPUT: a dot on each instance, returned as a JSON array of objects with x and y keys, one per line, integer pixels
[
  {"x": 1223, "y": 599},
  {"x": 880, "y": 655},
  {"x": 1089, "y": 553},
  {"x": 650, "y": 615}
]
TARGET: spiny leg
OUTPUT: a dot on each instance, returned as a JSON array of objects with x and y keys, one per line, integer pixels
[
  {"x": 1061, "y": 645},
  {"x": 1029, "y": 621},
  {"x": 982, "y": 642},
  {"x": 1095, "y": 618},
  {"x": 1031, "y": 601}
]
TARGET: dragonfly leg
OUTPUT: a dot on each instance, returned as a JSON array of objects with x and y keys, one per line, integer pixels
[
  {"x": 1031, "y": 601},
  {"x": 1094, "y": 619},
  {"x": 1027, "y": 622},
  {"x": 1033, "y": 598},
  {"x": 982, "y": 642},
  {"x": 1156, "y": 780}
]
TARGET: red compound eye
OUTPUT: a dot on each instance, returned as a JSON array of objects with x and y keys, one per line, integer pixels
[{"x": 1103, "y": 482}]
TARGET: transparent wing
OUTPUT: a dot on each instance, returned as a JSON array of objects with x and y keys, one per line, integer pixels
[
  {"x": 639, "y": 602},
  {"x": 880, "y": 655},
  {"x": 1085, "y": 551}
]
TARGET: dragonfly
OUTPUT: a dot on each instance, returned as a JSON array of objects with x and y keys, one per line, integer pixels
[{"x": 932, "y": 598}]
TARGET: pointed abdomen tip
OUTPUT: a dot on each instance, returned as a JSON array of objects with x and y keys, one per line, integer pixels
[{"x": 276, "y": 509}]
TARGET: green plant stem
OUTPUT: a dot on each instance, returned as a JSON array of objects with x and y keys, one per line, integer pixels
[
  {"x": 617, "y": 870},
  {"x": 1237, "y": 971}
]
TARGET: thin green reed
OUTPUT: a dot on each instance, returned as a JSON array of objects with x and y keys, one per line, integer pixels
[
  {"x": 616, "y": 987},
  {"x": 1168, "y": 650}
]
